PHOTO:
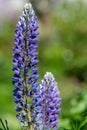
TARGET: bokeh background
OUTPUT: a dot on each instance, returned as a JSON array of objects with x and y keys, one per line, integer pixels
[{"x": 62, "y": 50}]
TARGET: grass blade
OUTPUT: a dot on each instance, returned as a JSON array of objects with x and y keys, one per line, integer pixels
[
  {"x": 7, "y": 128},
  {"x": 2, "y": 124}
]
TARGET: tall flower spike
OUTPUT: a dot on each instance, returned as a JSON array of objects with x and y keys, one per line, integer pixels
[
  {"x": 51, "y": 101},
  {"x": 25, "y": 64}
]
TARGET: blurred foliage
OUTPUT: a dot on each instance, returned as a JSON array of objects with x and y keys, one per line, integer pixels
[
  {"x": 43, "y": 6},
  {"x": 71, "y": 28},
  {"x": 75, "y": 115}
]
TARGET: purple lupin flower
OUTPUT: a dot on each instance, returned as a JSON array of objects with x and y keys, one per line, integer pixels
[
  {"x": 51, "y": 101},
  {"x": 25, "y": 65}
]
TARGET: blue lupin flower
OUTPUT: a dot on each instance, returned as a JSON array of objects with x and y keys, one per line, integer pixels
[
  {"x": 25, "y": 64},
  {"x": 37, "y": 111},
  {"x": 51, "y": 101}
]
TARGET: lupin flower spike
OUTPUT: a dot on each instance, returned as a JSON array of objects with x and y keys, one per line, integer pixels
[
  {"x": 51, "y": 101},
  {"x": 25, "y": 65}
]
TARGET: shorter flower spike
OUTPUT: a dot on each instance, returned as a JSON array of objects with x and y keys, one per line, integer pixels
[{"x": 50, "y": 102}]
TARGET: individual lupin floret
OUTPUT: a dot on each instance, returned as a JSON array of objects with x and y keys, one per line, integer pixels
[
  {"x": 25, "y": 64},
  {"x": 51, "y": 101}
]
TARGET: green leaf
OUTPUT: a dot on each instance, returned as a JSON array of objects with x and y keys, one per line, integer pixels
[
  {"x": 6, "y": 125},
  {"x": 2, "y": 124},
  {"x": 84, "y": 122}
]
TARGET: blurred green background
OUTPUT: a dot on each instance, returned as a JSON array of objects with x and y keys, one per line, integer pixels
[{"x": 62, "y": 50}]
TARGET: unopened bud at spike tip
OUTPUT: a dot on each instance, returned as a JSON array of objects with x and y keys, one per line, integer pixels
[{"x": 28, "y": 6}]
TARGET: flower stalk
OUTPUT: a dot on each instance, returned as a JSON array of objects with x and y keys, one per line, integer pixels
[{"x": 25, "y": 65}]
